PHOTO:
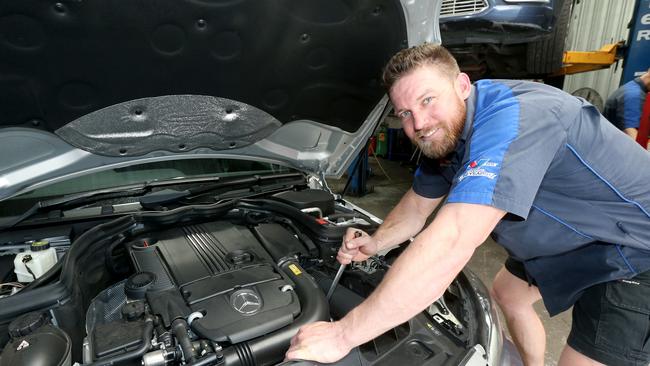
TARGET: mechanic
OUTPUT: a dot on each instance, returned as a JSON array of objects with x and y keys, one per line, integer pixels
[
  {"x": 624, "y": 107},
  {"x": 563, "y": 191}
]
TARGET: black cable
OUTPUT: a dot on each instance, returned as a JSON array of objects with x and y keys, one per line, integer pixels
[{"x": 26, "y": 259}]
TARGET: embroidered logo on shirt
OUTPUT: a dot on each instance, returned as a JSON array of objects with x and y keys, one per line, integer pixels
[{"x": 477, "y": 168}]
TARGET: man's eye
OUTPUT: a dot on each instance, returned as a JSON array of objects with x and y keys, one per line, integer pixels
[
  {"x": 427, "y": 100},
  {"x": 405, "y": 114}
]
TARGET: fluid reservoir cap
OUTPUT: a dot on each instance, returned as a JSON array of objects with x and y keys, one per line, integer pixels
[
  {"x": 137, "y": 285},
  {"x": 39, "y": 245},
  {"x": 26, "y": 324}
]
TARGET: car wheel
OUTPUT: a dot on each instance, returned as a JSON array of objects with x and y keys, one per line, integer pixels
[
  {"x": 545, "y": 56},
  {"x": 591, "y": 96}
]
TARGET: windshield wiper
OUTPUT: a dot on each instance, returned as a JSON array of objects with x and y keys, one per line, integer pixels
[
  {"x": 253, "y": 185},
  {"x": 149, "y": 199},
  {"x": 71, "y": 201},
  {"x": 83, "y": 198}
]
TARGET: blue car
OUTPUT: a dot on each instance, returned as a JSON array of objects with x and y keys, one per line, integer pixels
[{"x": 506, "y": 38}]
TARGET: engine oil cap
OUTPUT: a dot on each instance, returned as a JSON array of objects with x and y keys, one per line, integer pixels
[
  {"x": 39, "y": 245},
  {"x": 137, "y": 285}
]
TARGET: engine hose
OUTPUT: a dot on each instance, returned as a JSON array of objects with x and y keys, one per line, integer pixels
[
  {"x": 206, "y": 360},
  {"x": 343, "y": 299},
  {"x": 179, "y": 328},
  {"x": 270, "y": 349},
  {"x": 138, "y": 352}
]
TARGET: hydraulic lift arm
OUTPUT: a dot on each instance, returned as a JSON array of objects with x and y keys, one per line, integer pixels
[{"x": 582, "y": 61}]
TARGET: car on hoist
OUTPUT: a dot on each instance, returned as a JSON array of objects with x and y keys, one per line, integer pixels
[
  {"x": 506, "y": 38},
  {"x": 162, "y": 183}
]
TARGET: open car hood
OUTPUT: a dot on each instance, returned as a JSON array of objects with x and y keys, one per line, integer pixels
[{"x": 87, "y": 85}]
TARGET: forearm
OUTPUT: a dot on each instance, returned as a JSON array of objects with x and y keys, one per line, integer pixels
[{"x": 405, "y": 220}]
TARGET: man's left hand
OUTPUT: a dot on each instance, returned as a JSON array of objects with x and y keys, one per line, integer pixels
[{"x": 321, "y": 342}]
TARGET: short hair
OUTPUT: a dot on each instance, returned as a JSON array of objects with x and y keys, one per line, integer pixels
[{"x": 409, "y": 59}]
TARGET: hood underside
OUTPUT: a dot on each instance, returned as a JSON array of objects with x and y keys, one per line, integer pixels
[{"x": 244, "y": 78}]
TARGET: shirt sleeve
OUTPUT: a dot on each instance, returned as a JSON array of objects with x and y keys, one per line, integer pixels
[
  {"x": 633, "y": 98},
  {"x": 514, "y": 142}
]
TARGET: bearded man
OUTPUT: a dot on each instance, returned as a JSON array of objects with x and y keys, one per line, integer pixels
[{"x": 558, "y": 186}]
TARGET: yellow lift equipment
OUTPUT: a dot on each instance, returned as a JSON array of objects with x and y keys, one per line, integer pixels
[{"x": 582, "y": 61}]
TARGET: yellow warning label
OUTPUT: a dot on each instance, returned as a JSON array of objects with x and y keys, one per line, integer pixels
[{"x": 295, "y": 269}]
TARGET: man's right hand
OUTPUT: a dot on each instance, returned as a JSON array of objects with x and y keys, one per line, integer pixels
[{"x": 357, "y": 247}]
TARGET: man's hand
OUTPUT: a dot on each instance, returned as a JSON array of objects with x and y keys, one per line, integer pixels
[
  {"x": 357, "y": 246},
  {"x": 321, "y": 342}
]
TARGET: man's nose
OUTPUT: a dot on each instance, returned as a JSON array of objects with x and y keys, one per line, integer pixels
[{"x": 420, "y": 120}]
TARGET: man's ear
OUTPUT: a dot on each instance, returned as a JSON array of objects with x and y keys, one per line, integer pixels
[{"x": 463, "y": 85}]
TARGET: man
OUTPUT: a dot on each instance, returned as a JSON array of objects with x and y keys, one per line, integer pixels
[
  {"x": 623, "y": 108},
  {"x": 566, "y": 194}
]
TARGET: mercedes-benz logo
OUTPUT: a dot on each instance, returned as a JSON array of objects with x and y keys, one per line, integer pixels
[{"x": 246, "y": 301}]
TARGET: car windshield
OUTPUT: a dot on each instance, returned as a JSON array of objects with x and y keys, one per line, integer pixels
[{"x": 139, "y": 174}]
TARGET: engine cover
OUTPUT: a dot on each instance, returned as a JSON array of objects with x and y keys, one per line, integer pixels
[{"x": 221, "y": 271}]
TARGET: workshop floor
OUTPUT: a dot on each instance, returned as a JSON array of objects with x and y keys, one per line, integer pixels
[{"x": 487, "y": 259}]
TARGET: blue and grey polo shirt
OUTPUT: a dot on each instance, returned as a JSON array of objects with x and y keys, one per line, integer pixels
[
  {"x": 576, "y": 190},
  {"x": 624, "y": 107}
]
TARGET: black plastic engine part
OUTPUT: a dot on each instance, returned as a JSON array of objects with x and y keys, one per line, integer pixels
[
  {"x": 137, "y": 285},
  {"x": 308, "y": 198},
  {"x": 279, "y": 242},
  {"x": 132, "y": 355},
  {"x": 116, "y": 337},
  {"x": 133, "y": 310},
  {"x": 26, "y": 324},
  {"x": 46, "y": 346}
]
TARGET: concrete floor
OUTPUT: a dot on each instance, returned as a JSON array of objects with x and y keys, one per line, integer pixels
[{"x": 487, "y": 259}]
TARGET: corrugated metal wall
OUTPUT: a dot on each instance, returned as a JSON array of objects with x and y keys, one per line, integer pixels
[{"x": 595, "y": 23}]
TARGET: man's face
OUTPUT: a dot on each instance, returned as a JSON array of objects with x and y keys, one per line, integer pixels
[{"x": 432, "y": 108}]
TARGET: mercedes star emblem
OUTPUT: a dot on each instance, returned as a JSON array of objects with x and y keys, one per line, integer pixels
[{"x": 246, "y": 301}]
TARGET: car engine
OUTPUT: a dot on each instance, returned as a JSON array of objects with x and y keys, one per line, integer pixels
[
  {"x": 217, "y": 280},
  {"x": 222, "y": 284}
]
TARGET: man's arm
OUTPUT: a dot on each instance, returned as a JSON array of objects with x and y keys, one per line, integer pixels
[
  {"x": 423, "y": 271},
  {"x": 417, "y": 278},
  {"x": 404, "y": 221},
  {"x": 632, "y": 132}
]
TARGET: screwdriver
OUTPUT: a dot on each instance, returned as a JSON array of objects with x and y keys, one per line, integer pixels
[{"x": 357, "y": 234}]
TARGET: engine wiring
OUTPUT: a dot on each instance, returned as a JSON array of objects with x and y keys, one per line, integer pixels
[{"x": 10, "y": 288}]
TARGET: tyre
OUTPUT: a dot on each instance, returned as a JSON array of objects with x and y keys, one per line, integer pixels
[{"x": 545, "y": 56}]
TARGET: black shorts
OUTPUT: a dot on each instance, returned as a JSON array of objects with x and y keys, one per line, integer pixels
[
  {"x": 611, "y": 321},
  {"x": 517, "y": 269}
]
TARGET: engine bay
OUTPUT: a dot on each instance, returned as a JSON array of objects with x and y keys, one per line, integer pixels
[{"x": 223, "y": 284}]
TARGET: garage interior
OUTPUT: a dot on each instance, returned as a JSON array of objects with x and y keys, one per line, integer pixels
[{"x": 604, "y": 43}]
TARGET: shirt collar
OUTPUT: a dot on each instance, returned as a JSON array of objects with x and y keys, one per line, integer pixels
[{"x": 470, "y": 104}]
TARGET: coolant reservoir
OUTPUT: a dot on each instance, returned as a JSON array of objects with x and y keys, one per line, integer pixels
[{"x": 31, "y": 264}]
